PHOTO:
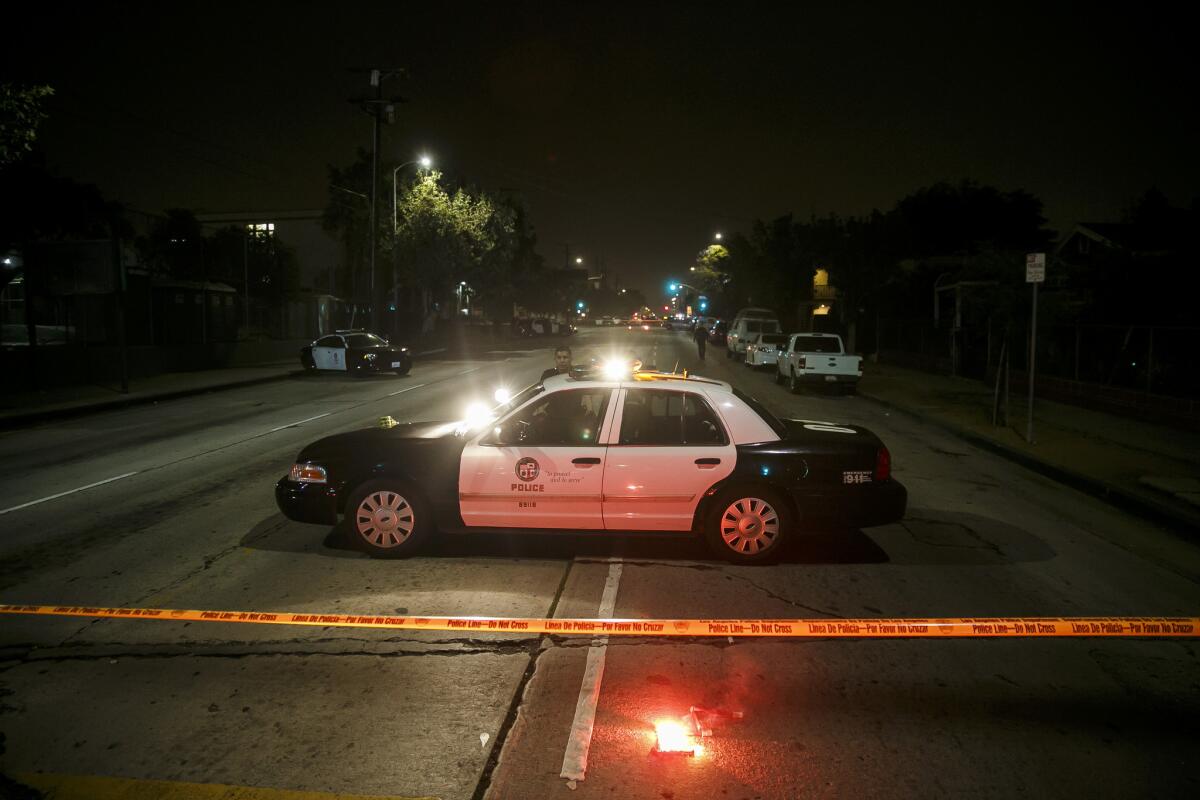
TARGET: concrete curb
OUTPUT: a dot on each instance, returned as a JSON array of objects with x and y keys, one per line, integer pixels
[
  {"x": 1160, "y": 513},
  {"x": 21, "y": 420}
]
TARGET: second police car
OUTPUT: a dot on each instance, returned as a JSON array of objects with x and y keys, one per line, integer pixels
[
  {"x": 356, "y": 352},
  {"x": 644, "y": 452}
]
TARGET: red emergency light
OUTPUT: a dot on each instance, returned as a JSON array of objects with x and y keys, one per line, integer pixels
[{"x": 675, "y": 738}]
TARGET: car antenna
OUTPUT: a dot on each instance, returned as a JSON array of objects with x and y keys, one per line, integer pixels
[{"x": 675, "y": 368}]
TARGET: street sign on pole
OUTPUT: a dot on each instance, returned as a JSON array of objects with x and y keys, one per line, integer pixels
[
  {"x": 1035, "y": 268},
  {"x": 1035, "y": 273}
]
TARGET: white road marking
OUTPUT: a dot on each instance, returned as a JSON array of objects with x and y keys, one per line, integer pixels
[
  {"x": 406, "y": 389},
  {"x": 574, "y": 764},
  {"x": 301, "y": 422},
  {"x": 431, "y": 352},
  {"x": 70, "y": 491}
]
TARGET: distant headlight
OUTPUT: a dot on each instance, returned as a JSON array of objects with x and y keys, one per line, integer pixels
[{"x": 307, "y": 473}]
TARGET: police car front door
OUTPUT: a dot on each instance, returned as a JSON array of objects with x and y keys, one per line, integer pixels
[
  {"x": 329, "y": 352},
  {"x": 542, "y": 467}
]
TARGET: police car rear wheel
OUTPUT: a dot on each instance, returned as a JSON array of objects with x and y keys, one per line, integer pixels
[
  {"x": 388, "y": 519},
  {"x": 748, "y": 525}
]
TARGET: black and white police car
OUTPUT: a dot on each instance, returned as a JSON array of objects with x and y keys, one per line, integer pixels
[
  {"x": 356, "y": 352},
  {"x": 644, "y": 451}
]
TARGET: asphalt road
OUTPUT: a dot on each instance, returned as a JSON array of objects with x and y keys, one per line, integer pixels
[{"x": 183, "y": 517}]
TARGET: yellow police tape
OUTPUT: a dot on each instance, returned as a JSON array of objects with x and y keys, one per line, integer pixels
[{"x": 1035, "y": 627}]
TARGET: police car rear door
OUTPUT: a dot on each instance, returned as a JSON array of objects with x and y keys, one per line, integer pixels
[
  {"x": 667, "y": 447},
  {"x": 540, "y": 467}
]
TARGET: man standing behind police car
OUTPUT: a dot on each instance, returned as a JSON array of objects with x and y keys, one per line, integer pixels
[
  {"x": 562, "y": 362},
  {"x": 700, "y": 334}
]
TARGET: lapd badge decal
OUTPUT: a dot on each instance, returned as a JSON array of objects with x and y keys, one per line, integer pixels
[{"x": 527, "y": 469}]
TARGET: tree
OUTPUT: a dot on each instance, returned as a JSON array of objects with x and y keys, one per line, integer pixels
[{"x": 20, "y": 114}]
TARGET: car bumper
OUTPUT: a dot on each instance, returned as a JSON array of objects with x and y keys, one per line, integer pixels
[
  {"x": 763, "y": 359},
  {"x": 861, "y": 506},
  {"x": 820, "y": 379},
  {"x": 384, "y": 364},
  {"x": 307, "y": 502}
]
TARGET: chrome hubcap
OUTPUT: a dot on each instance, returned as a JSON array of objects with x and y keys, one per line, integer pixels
[
  {"x": 385, "y": 519},
  {"x": 749, "y": 526}
]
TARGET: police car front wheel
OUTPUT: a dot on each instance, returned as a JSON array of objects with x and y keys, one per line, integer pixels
[
  {"x": 388, "y": 519},
  {"x": 748, "y": 525}
]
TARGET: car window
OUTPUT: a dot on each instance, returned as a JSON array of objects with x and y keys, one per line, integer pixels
[
  {"x": 664, "y": 418},
  {"x": 772, "y": 338},
  {"x": 329, "y": 341},
  {"x": 364, "y": 340},
  {"x": 570, "y": 417},
  {"x": 817, "y": 344}
]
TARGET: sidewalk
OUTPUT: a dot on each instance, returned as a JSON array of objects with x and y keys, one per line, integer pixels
[
  {"x": 1149, "y": 470},
  {"x": 28, "y": 408}
]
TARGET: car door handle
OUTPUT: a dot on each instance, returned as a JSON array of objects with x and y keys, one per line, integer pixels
[
  {"x": 704, "y": 463},
  {"x": 584, "y": 462}
]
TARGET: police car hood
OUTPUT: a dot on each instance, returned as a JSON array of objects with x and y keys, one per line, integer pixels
[{"x": 342, "y": 445}]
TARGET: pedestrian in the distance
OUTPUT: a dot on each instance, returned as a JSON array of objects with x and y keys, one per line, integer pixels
[{"x": 701, "y": 337}]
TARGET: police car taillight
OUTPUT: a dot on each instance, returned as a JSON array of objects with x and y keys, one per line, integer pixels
[
  {"x": 801, "y": 363},
  {"x": 307, "y": 473},
  {"x": 883, "y": 464}
]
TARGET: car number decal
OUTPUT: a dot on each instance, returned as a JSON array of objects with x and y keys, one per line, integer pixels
[{"x": 831, "y": 427}]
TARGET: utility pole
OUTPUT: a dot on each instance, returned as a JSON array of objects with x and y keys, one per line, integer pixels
[{"x": 381, "y": 109}]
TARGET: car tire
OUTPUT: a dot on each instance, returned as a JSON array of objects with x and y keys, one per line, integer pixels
[
  {"x": 388, "y": 518},
  {"x": 793, "y": 384},
  {"x": 778, "y": 377},
  {"x": 749, "y": 524},
  {"x": 405, "y": 366},
  {"x": 728, "y": 353}
]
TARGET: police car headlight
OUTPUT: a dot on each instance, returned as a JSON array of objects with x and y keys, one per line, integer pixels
[
  {"x": 368, "y": 356},
  {"x": 308, "y": 473}
]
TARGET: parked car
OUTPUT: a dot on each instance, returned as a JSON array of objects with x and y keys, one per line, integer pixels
[
  {"x": 746, "y": 327},
  {"x": 817, "y": 359},
  {"x": 717, "y": 333},
  {"x": 543, "y": 326},
  {"x": 764, "y": 350},
  {"x": 709, "y": 459},
  {"x": 356, "y": 352}
]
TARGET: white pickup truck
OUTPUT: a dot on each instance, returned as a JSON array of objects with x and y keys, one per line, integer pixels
[{"x": 817, "y": 358}]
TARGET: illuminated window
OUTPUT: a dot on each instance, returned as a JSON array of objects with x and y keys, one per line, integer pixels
[
  {"x": 261, "y": 230},
  {"x": 821, "y": 277}
]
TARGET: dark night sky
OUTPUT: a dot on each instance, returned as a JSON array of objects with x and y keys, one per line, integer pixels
[{"x": 633, "y": 133}]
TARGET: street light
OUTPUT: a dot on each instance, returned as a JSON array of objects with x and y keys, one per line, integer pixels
[
  {"x": 717, "y": 236},
  {"x": 424, "y": 161},
  {"x": 578, "y": 260}
]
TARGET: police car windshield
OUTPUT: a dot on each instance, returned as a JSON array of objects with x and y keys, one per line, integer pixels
[
  {"x": 364, "y": 340},
  {"x": 518, "y": 400}
]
